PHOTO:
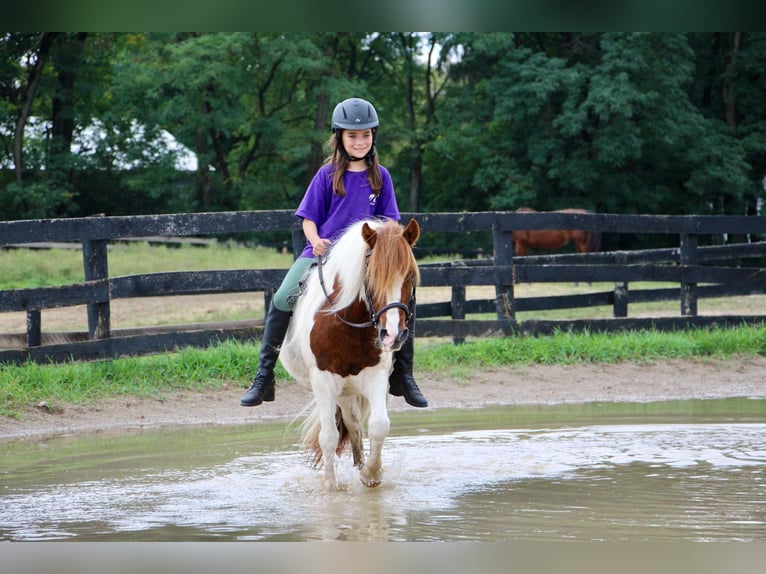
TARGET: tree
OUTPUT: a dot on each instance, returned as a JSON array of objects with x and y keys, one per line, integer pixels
[
  {"x": 36, "y": 56},
  {"x": 464, "y": 161},
  {"x": 239, "y": 100},
  {"x": 605, "y": 121},
  {"x": 617, "y": 122},
  {"x": 729, "y": 91},
  {"x": 413, "y": 70}
]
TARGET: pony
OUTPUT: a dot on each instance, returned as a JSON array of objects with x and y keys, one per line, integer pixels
[
  {"x": 354, "y": 313},
  {"x": 583, "y": 241}
]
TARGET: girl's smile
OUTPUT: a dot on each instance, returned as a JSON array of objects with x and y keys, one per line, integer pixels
[{"x": 357, "y": 143}]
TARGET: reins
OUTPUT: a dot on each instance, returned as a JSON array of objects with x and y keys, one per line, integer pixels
[{"x": 374, "y": 315}]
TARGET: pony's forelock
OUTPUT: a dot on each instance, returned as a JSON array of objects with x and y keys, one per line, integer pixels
[{"x": 388, "y": 259}]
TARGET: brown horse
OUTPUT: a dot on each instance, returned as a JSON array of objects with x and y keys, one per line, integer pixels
[{"x": 583, "y": 241}]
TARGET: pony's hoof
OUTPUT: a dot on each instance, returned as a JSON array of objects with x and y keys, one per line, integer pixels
[
  {"x": 368, "y": 478},
  {"x": 330, "y": 487},
  {"x": 370, "y": 482}
]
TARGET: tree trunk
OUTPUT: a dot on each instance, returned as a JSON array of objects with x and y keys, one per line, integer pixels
[
  {"x": 416, "y": 170},
  {"x": 203, "y": 175},
  {"x": 66, "y": 60},
  {"x": 729, "y": 106},
  {"x": 730, "y": 116},
  {"x": 43, "y": 49},
  {"x": 316, "y": 157}
]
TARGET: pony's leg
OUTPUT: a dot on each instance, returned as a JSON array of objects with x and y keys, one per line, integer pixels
[
  {"x": 352, "y": 417},
  {"x": 378, "y": 425},
  {"x": 328, "y": 440},
  {"x": 326, "y": 395}
]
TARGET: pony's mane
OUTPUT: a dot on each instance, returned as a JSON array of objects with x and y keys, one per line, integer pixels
[{"x": 346, "y": 262}]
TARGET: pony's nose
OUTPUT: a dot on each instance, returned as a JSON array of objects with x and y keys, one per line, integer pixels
[
  {"x": 403, "y": 334},
  {"x": 390, "y": 340}
]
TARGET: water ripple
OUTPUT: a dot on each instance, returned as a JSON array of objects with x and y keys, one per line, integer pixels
[{"x": 646, "y": 481}]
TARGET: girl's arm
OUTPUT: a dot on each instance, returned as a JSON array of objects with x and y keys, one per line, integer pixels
[{"x": 310, "y": 231}]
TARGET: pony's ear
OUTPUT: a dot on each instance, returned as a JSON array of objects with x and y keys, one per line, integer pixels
[
  {"x": 412, "y": 232},
  {"x": 369, "y": 235}
]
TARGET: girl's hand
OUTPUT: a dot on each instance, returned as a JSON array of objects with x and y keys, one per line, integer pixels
[{"x": 320, "y": 246}]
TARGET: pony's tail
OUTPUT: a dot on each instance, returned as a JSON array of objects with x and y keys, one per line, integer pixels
[{"x": 310, "y": 436}]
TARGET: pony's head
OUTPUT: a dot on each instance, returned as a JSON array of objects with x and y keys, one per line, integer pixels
[
  {"x": 373, "y": 274},
  {"x": 391, "y": 275}
]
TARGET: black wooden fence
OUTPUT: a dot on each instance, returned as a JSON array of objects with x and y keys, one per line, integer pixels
[{"x": 689, "y": 265}]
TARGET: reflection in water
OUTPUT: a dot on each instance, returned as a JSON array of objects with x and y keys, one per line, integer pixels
[{"x": 542, "y": 473}]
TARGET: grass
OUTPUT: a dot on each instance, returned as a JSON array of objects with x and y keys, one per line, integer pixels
[
  {"x": 567, "y": 348},
  {"x": 146, "y": 377},
  {"x": 234, "y": 363}
]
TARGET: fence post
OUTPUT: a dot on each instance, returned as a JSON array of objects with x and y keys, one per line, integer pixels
[
  {"x": 298, "y": 240},
  {"x": 688, "y": 290},
  {"x": 458, "y": 304},
  {"x": 34, "y": 331},
  {"x": 268, "y": 295},
  {"x": 621, "y": 296},
  {"x": 96, "y": 267},
  {"x": 504, "y": 299}
]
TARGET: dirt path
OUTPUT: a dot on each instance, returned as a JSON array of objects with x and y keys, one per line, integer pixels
[{"x": 534, "y": 384}]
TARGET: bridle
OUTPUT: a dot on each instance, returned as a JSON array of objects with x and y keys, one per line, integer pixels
[{"x": 409, "y": 310}]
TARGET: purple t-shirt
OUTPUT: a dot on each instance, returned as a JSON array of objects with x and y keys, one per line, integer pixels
[{"x": 333, "y": 214}]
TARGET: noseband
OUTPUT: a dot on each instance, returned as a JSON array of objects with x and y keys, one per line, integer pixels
[{"x": 409, "y": 310}]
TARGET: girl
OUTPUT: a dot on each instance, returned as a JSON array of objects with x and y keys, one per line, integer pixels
[{"x": 350, "y": 186}]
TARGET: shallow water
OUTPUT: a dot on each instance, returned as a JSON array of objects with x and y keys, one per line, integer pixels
[{"x": 689, "y": 470}]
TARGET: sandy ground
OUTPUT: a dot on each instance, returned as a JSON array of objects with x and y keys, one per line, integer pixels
[{"x": 532, "y": 384}]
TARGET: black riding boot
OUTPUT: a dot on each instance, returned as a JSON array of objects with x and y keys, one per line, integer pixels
[
  {"x": 401, "y": 382},
  {"x": 275, "y": 327}
]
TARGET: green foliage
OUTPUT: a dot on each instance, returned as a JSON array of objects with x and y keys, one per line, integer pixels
[
  {"x": 587, "y": 123},
  {"x": 33, "y": 199},
  {"x": 615, "y": 122}
]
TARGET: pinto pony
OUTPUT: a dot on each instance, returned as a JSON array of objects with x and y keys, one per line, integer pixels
[
  {"x": 583, "y": 241},
  {"x": 353, "y": 316}
]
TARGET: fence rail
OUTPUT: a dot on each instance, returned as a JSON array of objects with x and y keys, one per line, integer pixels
[{"x": 688, "y": 265}]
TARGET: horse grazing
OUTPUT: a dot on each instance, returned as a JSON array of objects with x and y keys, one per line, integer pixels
[
  {"x": 353, "y": 315},
  {"x": 583, "y": 241}
]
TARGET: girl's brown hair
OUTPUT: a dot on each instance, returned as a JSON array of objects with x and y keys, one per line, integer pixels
[{"x": 340, "y": 163}]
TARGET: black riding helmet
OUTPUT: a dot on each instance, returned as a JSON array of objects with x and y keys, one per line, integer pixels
[{"x": 355, "y": 114}]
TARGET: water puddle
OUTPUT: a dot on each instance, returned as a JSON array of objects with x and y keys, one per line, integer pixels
[{"x": 690, "y": 470}]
